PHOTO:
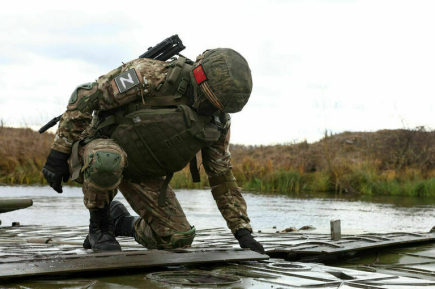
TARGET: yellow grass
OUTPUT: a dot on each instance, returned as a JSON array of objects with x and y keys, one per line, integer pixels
[{"x": 397, "y": 162}]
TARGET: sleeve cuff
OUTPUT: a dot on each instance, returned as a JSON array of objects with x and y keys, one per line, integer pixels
[{"x": 59, "y": 155}]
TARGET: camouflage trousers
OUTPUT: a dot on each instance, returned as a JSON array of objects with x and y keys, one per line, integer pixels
[{"x": 103, "y": 162}]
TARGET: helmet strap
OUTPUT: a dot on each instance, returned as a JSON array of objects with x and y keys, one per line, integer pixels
[{"x": 198, "y": 101}]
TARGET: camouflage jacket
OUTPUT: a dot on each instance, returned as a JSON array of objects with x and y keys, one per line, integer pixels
[{"x": 78, "y": 121}]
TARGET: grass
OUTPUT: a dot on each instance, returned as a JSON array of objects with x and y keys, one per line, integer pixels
[
  {"x": 386, "y": 162},
  {"x": 22, "y": 154}
]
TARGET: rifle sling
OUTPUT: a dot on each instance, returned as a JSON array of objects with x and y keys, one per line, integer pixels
[
  {"x": 75, "y": 161},
  {"x": 163, "y": 190},
  {"x": 193, "y": 165}
]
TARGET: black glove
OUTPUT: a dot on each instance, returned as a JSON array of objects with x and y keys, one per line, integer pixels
[
  {"x": 247, "y": 241},
  {"x": 55, "y": 169}
]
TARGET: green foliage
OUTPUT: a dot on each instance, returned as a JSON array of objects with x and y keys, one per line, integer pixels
[
  {"x": 399, "y": 163},
  {"x": 319, "y": 182},
  {"x": 183, "y": 180},
  {"x": 253, "y": 185},
  {"x": 283, "y": 181}
]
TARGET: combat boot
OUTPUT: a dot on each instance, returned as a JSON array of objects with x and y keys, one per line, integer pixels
[
  {"x": 124, "y": 222},
  {"x": 101, "y": 231}
]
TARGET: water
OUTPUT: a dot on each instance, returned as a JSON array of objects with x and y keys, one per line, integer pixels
[{"x": 357, "y": 213}]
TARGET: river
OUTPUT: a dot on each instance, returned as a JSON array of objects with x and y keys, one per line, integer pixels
[{"x": 357, "y": 213}]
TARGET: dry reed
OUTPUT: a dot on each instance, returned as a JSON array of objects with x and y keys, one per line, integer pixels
[{"x": 396, "y": 162}]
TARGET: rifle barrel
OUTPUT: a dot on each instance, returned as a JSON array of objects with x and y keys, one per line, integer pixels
[{"x": 49, "y": 124}]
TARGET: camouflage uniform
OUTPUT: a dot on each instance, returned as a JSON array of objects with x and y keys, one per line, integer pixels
[{"x": 156, "y": 225}]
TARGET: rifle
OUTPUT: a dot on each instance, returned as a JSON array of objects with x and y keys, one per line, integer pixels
[
  {"x": 165, "y": 49},
  {"x": 50, "y": 124},
  {"x": 162, "y": 51}
]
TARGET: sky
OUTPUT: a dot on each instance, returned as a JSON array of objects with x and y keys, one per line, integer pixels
[{"x": 316, "y": 65}]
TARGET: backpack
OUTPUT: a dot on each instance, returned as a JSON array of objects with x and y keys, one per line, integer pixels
[{"x": 162, "y": 141}]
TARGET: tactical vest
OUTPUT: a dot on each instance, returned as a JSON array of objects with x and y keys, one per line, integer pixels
[{"x": 162, "y": 135}]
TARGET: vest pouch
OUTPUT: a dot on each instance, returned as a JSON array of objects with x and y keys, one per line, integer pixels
[
  {"x": 161, "y": 141},
  {"x": 205, "y": 133},
  {"x": 209, "y": 134}
]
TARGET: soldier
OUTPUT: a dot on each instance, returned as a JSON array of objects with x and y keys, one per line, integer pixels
[{"x": 137, "y": 125}]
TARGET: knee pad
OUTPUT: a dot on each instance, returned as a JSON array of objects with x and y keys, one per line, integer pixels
[
  {"x": 179, "y": 240},
  {"x": 104, "y": 168},
  {"x": 83, "y": 97}
]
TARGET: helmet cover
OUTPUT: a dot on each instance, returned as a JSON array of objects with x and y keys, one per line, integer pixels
[{"x": 223, "y": 76}]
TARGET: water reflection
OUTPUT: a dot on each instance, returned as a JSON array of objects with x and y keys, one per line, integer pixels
[{"x": 361, "y": 213}]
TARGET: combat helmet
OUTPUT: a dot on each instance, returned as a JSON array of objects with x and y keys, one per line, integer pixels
[{"x": 222, "y": 76}]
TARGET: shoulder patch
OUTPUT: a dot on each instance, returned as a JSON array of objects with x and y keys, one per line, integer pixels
[{"x": 127, "y": 80}]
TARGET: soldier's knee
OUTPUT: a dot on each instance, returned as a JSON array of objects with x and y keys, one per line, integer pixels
[
  {"x": 177, "y": 240},
  {"x": 105, "y": 170},
  {"x": 104, "y": 165}
]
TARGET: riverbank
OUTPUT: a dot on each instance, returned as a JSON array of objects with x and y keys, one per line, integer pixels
[{"x": 386, "y": 162}]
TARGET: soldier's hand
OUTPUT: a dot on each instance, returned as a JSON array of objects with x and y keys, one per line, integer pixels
[
  {"x": 56, "y": 169},
  {"x": 247, "y": 241}
]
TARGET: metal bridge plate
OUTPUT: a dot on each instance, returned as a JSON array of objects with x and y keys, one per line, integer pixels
[{"x": 37, "y": 250}]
